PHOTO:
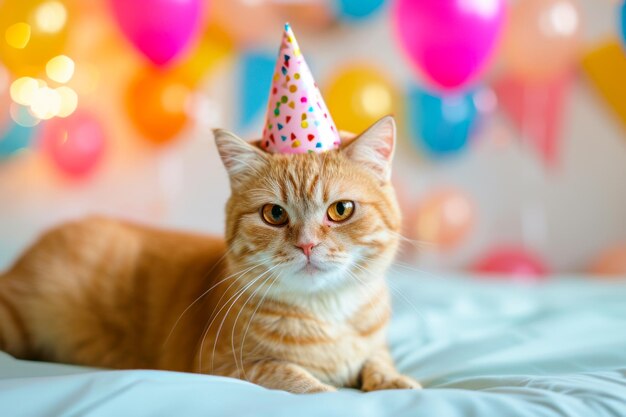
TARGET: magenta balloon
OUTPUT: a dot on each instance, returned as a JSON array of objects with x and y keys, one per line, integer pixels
[
  {"x": 450, "y": 41},
  {"x": 160, "y": 29}
]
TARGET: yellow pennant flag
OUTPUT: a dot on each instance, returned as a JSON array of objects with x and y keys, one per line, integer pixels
[{"x": 606, "y": 69}]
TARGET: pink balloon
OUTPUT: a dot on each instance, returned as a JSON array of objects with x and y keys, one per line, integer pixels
[
  {"x": 160, "y": 29},
  {"x": 514, "y": 262},
  {"x": 450, "y": 41},
  {"x": 74, "y": 144}
]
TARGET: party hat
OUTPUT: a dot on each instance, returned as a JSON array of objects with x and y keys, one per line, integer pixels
[{"x": 297, "y": 119}]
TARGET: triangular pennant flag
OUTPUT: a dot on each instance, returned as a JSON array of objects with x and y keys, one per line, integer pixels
[
  {"x": 606, "y": 67},
  {"x": 536, "y": 110}
]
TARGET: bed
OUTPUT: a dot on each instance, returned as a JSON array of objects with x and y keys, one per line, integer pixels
[{"x": 480, "y": 348}]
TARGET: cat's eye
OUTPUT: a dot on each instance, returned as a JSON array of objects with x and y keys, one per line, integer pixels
[
  {"x": 274, "y": 215},
  {"x": 340, "y": 211}
]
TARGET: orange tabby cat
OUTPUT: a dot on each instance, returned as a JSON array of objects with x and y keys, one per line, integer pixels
[{"x": 295, "y": 299}]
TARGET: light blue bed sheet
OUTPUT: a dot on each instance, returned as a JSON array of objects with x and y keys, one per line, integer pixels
[{"x": 480, "y": 349}]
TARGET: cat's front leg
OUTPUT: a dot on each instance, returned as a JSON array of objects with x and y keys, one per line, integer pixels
[
  {"x": 275, "y": 374},
  {"x": 379, "y": 373}
]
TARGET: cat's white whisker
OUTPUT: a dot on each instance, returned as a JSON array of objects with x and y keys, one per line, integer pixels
[
  {"x": 214, "y": 315},
  {"x": 245, "y": 333},
  {"x": 415, "y": 242},
  {"x": 232, "y": 339},
  {"x": 236, "y": 297},
  {"x": 200, "y": 297},
  {"x": 365, "y": 294},
  {"x": 398, "y": 292}
]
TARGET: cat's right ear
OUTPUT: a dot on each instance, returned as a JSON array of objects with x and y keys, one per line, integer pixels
[{"x": 240, "y": 158}]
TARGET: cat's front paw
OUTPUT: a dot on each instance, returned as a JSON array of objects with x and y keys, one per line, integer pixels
[{"x": 379, "y": 381}]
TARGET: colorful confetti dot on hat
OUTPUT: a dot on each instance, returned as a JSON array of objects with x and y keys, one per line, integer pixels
[{"x": 297, "y": 119}]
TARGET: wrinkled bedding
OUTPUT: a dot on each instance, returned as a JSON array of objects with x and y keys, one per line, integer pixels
[{"x": 480, "y": 348}]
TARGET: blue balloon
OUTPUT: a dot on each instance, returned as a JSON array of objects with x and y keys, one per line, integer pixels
[
  {"x": 357, "y": 9},
  {"x": 442, "y": 125},
  {"x": 622, "y": 29},
  {"x": 256, "y": 73},
  {"x": 15, "y": 138}
]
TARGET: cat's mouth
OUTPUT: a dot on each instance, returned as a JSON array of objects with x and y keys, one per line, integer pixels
[{"x": 312, "y": 268}]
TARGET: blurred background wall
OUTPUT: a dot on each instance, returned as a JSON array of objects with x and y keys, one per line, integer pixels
[{"x": 512, "y": 170}]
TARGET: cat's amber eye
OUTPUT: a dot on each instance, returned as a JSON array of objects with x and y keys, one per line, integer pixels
[
  {"x": 340, "y": 211},
  {"x": 274, "y": 215}
]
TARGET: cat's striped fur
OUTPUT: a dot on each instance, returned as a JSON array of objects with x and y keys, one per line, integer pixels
[{"x": 106, "y": 293}]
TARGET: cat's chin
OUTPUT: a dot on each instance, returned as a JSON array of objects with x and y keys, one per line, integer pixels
[{"x": 313, "y": 277}]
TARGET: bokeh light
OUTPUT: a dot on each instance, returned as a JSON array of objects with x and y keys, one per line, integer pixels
[
  {"x": 18, "y": 35},
  {"x": 559, "y": 20},
  {"x": 50, "y": 17},
  {"x": 23, "y": 90},
  {"x": 46, "y": 103},
  {"x": 60, "y": 68}
]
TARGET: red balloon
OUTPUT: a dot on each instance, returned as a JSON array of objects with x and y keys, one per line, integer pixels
[
  {"x": 513, "y": 262},
  {"x": 74, "y": 144}
]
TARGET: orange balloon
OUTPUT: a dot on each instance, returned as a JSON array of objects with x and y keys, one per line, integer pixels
[
  {"x": 244, "y": 20},
  {"x": 157, "y": 104},
  {"x": 611, "y": 262},
  {"x": 444, "y": 218},
  {"x": 542, "y": 38}
]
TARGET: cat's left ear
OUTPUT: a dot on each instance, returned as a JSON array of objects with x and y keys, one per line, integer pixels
[{"x": 374, "y": 148}]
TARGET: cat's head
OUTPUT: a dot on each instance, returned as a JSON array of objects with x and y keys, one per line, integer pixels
[{"x": 316, "y": 221}]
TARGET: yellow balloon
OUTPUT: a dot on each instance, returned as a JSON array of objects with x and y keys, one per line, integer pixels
[
  {"x": 31, "y": 33},
  {"x": 605, "y": 67},
  {"x": 358, "y": 96}
]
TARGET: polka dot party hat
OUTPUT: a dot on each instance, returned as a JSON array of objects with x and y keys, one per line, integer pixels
[{"x": 297, "y": 120}]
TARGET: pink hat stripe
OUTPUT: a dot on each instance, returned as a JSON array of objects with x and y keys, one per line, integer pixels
[{"x": 297, "y": 119}]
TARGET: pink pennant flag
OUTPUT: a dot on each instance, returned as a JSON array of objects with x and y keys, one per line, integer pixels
[{"x": 536, "y": 111}]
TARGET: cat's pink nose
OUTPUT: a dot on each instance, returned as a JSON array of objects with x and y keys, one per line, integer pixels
[{"x": 307, "y": 248}]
